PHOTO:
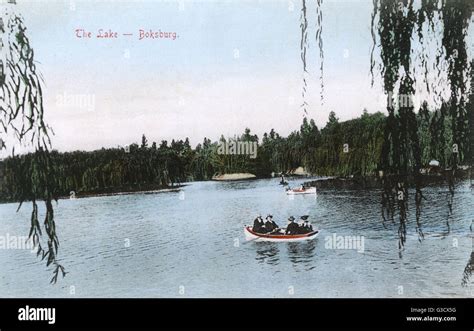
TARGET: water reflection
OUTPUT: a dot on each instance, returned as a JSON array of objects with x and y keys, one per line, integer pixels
[
  {"x": 237, "y": 185},
  {"x": 301, "y": 252},
  {"x": 200, "y": 242},
  {"x": 267, "y": 252}
]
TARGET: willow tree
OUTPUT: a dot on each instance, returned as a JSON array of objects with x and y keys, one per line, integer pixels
[
  {"x": 22, "y": 124},
  {"x": 304, "y": 45},
  {"x": 395, "y": 27}
]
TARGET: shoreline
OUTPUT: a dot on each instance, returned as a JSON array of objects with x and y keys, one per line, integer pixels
[
  {"x": 129, "y": 191},
  {"x": 324, "y": 182},
  {"x": 375, "y": 182},
  {"x": 234, "y": 177}
]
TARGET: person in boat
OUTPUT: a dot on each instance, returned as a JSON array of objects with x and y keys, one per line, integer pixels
[
  {"x": 301, "y": 222},
  {"x": 258, "y": 225},
  {"x": 292, "y": 227},
  {"x": 306, "y": 227},
  {"x": 270, "y": 225}
]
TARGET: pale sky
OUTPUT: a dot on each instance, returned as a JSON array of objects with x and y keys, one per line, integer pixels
[{"x": 235, "y": 64}]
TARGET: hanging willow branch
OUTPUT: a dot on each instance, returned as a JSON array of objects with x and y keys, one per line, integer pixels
[
  {"x": 22, "y": 116},
  {"x": 304, "y": 49},
  {"x": 468, "y": 270},
  {"x": 319, "y": 40},
  {"x": 393, "y": 25}
]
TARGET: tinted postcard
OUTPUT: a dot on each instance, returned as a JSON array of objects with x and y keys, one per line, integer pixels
[{"x": 236, "y": 149}]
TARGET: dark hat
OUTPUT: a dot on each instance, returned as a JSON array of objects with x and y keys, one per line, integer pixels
[
  {"x": 271, "y": 216},
  {"x": 291, "y": 218},
  {"x": 305, "y": 217}
]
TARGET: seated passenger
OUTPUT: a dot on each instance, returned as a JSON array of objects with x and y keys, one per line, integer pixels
[
  {"x": 301, "y": 222},
  {"x": 292, "y": 228},
  {"x": 306, "y": 227},
  {"x": 270, "y": 225},
  {"x": 258, "y": 225}
]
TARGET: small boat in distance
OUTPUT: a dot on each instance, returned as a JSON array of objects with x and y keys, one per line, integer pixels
[
  {"x": 251, "y": 235},
  {"x": 309, "y": 190}
]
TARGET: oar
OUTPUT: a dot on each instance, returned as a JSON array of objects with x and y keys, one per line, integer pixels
[{"x": 277, "y": 229}]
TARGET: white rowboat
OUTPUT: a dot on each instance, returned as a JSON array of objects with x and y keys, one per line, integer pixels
[
  {"x": 310, "y": 190},
  {"x": 250, "y": 235}
]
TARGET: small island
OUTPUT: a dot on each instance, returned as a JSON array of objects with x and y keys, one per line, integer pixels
[{"x": 234, "y": 177}]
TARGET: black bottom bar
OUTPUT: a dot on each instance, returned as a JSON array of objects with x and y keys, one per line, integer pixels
[{"x": 240, "y": 314}]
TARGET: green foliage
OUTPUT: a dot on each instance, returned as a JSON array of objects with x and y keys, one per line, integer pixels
[
  {"x": 347, "y": 148},
  {"x": 399, "y": 144},
  {"x": 393, "y": 28},
  {"x": 21, "y": 117}
]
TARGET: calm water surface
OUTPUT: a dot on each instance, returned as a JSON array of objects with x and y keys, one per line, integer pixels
[{"x": 191, "y": 244}]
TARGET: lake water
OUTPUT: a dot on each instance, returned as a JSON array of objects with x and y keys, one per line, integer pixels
[{"x": 191, "y": 244}]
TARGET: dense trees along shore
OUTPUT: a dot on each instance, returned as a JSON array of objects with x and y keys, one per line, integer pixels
[{"x": 339, "y": 149}]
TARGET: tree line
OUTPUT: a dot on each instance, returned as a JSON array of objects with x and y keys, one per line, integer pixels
[{"x": 346, "y": 148}]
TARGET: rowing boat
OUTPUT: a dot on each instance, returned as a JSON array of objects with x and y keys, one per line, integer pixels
[
  {"x": 311, "y": 190},
  {"x": 251, "y": 235}
]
